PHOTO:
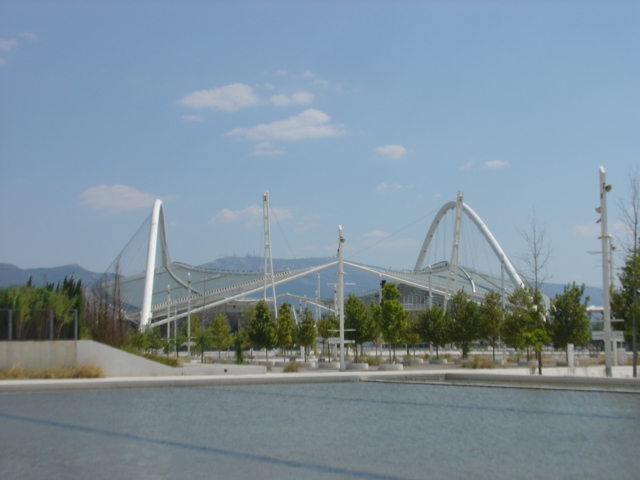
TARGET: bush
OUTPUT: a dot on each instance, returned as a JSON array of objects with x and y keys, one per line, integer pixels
[
  {"x": 291, "y": 367},
  {"x": 16, "y": 372}
]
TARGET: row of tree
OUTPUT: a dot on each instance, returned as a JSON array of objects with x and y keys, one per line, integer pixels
[
  {"x": 522, "y": 326},
  {"x": 31, "y": 308}
]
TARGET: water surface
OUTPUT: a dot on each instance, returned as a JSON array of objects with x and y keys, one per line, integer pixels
[{"x": 322, "y": 431}]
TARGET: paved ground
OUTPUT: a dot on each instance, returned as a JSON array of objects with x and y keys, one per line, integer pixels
[{"x": 581, "y": 378}]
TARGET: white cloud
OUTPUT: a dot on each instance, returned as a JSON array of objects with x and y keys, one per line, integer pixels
[
  {"x": 384, "y": 188},
  {"x": 308, "y": 124},
  {"x": 266, "y": 148},
  {"x": 116, "y": 198},
  {"x": 436, "y": 195},
  {"x": 495, "y": 164},
  {"x": 194, "y": 118},
  {"x": 376, "y": 234},
  {"x": 3, "y": 62},
  {"x": 8, "y": 45},
  {"x": 468, "y": 165},
  {"x": 281, "y": 73},
  {"x": 588, "y": 230},
  {"x": 298, "y": 98},
  {"x": 250, "y": 216},
  {"x": 29, "y": 36},
  {"x": 394, "y": 152},
  {"x": 229, "y": 98}
]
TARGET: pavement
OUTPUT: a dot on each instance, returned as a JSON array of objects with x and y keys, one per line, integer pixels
[{"x": 557, "y": 378}]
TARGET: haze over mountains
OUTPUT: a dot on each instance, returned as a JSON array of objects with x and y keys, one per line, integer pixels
[{"x": 304, "y": 287}]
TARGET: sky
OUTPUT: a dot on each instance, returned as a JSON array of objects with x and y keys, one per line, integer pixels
[{"x": 370, "y": 115}]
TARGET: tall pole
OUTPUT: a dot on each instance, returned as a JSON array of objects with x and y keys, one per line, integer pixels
[
  {"x": 189, "y": 315},
  {"x": 341, "y": 297},
  {"x": 266, "y": 224},
  {"x": 168, "y": 312},
  {"x": 606, "y": 258}
]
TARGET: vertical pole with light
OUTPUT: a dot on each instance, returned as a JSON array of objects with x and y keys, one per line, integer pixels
[
  {"x": 606, "y": 258},
  {"x": 341, "y": 297},
  {"x": 189, "y": 316}
]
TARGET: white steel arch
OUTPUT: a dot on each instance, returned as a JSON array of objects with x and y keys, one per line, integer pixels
[{"x": 473, "y": 216}]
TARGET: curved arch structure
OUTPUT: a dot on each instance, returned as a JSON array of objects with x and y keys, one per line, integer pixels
[{"x": 473, "y": 216}]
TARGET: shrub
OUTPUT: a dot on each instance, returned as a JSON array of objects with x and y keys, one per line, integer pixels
[
  {"x": 16, "y": 372},
  {"x": 291, "y": 367}
]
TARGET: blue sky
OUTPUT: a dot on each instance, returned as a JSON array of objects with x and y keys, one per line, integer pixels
[{"x": 367, "y": 114}]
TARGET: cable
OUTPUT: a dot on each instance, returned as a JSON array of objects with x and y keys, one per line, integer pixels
[
  {"x": 282, "y": 231},
  {"x": 390, "y": 235}
]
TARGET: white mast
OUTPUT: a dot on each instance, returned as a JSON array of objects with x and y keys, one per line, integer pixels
[
  {"x": 606, "y": 259},
  {"x": 268, "y": 272},
  {"x": 453, "y": 264}
]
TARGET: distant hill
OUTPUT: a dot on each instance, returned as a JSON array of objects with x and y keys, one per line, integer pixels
[
  {"x": 594, "y": 293},
  {"x": 12, "y": 275}
]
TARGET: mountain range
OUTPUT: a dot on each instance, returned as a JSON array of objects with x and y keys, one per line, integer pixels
[{"x": 355, "y": 280}]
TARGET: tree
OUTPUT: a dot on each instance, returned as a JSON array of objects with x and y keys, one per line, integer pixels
[
  {"x": 262, "y": 328},
  {"x": 569, "y": 320},
  {"x": 306, "y": 331},
  {"x": 463, "y": 320},
  {"x": 393, "y": 318},
  {"x": 491, "y": 318},
  {"x": 220, "y": 333},
  {"x": 624, "y": 302},
  {"x": 412, "y": 333},
  {"x": 358, "y": 318},
  {"x": 240, "y": 342},
  {"x": 522, "y": 327},
  {"x": 325, "y": 326},
  {"x": 433, "y": 328},
  {"x": 284, "y": 327},
  {"x": 535, "y": 260},
  {"x": 631, "y": 218}
]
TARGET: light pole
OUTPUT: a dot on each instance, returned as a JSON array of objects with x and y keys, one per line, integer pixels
[
  {"x": 341, "y": 297},
  {"x": 606, "y": 259}
]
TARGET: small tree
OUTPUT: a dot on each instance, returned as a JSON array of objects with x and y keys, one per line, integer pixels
[
  {"x": 463, "y": 315},
  {"x": 569, "y": 320},
  {"x": 325, "y": 326},
  {"x": 262, "y": 328},
  {"x": 522, "y": 327},
  {"x": 433, "y": 327},
  {"x": 306, "y": 331},
  {"x": 240, "y": 342},
  {"x": 412, "y": 333},
  {"x": 284, "y": 327},
  {"x": 393, "y": 318},
  {"x": 220, "y": 333},
  {"x": 491, "y": 319},
  {"x": 358, "y": 319}
]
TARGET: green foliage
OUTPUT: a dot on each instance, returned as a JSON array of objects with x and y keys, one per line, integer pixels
[
  {"x": 412, "y": 333},
  {"x": 569, "y": 320},
  {"x": 240, "y": 342},
  {"x": 284, "y": 327},
  {"x": 463, "y": 318},
  {"x": 624, "y": 303},
  {"x": 31, "y": 306},
  {"x": 491, "y": 318},
  {"x": 358, "y": 317},
  {"x": 522, "y": 327},
  {"x": 220, "y": 333},
  {"x": 393, "y": 318},
  {"x": 432, "y": 327},
  {"x": 262, "y": 328},
  {"x": 324, "y": 327},
  {"x": 306, "y": 330}
]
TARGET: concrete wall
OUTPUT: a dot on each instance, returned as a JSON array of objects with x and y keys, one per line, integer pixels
[
  {"x": 117, "y": 363},
  {"x": 38, "y": 354},
  {"x": 114, "y": 362}
]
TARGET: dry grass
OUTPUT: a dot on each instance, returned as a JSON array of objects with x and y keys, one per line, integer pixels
[
  {"x": 16, "y": 372},
  {"x": 291, "y": 367}
]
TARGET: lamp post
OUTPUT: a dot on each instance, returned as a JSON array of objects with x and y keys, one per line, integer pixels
[{"x": 606, "y": 259}]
